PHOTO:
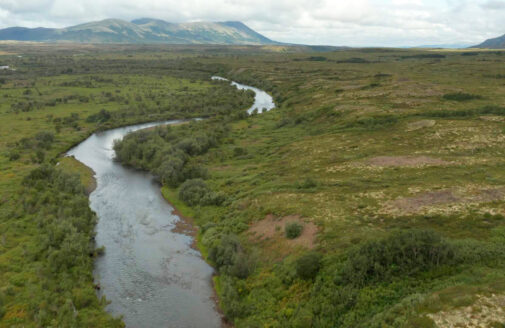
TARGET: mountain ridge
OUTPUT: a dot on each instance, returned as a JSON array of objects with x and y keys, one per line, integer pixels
[
  {"x": 493, "y": 43},
  {"x": 142, "y": 30}
]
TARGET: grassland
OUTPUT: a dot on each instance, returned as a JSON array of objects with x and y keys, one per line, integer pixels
[
  {"x": 367, "y": 145},
  {"x": 363, "y": 144}
]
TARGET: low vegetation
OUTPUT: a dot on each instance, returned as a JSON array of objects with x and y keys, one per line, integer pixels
[
  {"x": 293, "y": 230},
  {"x": 396, "y": 245},
  {"x": 391, "y": 237}
]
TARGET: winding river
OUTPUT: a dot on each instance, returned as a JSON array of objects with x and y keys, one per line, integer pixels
[{"x": 150, "y": 273}]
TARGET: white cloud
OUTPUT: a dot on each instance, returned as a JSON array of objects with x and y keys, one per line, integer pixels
[
  {"x": 336, "y": 22},
  {"x": 494, "y": 5}
]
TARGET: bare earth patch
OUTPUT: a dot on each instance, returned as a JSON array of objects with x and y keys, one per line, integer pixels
[
  {"x": 272, "y": 229},
  {"x": 431, "y": 199},
  {"x": 420, "y": 124},
  {"x": 492, "y": 118},
  {"x": 392, "y": 161},
  {"x": 415, "y": 203},
  {"x": 483, "y": 313}
]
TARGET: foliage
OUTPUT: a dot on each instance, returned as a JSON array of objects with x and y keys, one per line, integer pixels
[
  {"x": 230, "y": 258},
  {"x": 308, "y": 265},
  {"x": 401, "y": 253},
  {"x": 333, "y": 119},
  {"x": 101, "y": 117},
  {"x": 293, "y": 230},
  {"x": 461, "y": 96},
  {"x": 195, "y": 192}
]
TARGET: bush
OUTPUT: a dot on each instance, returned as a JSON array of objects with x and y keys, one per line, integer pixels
[
  {"x": 461, "y": 96},
  {"x": 171, "y": 171},
  {"x": 14, "y": 155},
  {"x": 401, "y": 253},
  {"x": 308, "y": 265},
  {"x": 2, "y": 301},
  {"x": 232, "y": 306},
  {"x": 195, "y": 192},
  {"x": 306, "y": 184},
  {"x": 230, "y": 257},
  {"x": 239, "y": 151},
  {"x": 100, "y": 117},
  {"x": 293, "y": 230},
  {"x": 44, "y": 139},
  {"x": 354, "y": 60}
]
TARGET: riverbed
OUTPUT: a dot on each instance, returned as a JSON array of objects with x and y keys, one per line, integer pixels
[{"x": 150, "y": 273}]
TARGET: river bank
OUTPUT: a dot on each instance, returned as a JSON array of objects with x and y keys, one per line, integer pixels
[{"x": 153, "y": 259}]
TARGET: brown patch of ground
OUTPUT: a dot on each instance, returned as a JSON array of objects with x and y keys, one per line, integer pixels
[
  {"x": 485, "y": 312},
  {"x": 442, "y": 197},
  {"x": 488, "y": 195},
  {"x": 391, "y": 161},
  {"x": 492, "y": 118},
  {"x": 272, "y": 229},
  {"x": 420, "y": 124},
  {"x": 413, "y": 204}
]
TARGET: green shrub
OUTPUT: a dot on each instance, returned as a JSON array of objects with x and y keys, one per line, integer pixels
[
  {"x": 14, "y": 155},
  {"x": 39, "y": 156},
  {"x": 100, "y": 117},
  {"x": 401, "y": 253},
  {"x": 293, "y": 230},
  {"x": 317, "y": 58},
  {"x": 171, "y": 171},
  {"x": 239, "y": 151},
  {"x": 2, "y": 301},
  {"x": 354, "y": 60},
  {"x": 232, "y": 305},
  {"x": 461, "y": 96},
  {"x": 308, "y": 183},
  {"x": 229, "y": 257},
  {"x": 195, "y": 192},
  {"x": 308, "y": 265},
  {"x": 44, "y": 139}
]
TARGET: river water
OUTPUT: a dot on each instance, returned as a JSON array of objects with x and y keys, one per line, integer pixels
[{"x": 150, "y": 274}]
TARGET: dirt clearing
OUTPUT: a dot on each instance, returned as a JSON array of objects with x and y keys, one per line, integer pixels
[
  {"x": 412, "y": 161},
  {"x": 272, "y": 229},
  {"x": 485, "y": 312},
  {"x": 420, "y": 124}
]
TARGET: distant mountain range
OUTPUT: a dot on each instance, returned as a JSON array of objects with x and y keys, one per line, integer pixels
[
  {"x": 496, "y": 43},
  {"x": 144, "y": 30},
  {"x": 444, "y": 46}
]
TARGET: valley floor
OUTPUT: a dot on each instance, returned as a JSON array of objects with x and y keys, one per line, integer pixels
[{"x": 372, "y": 196}]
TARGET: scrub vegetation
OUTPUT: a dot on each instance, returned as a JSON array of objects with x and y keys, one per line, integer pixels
[
  {"x": 394, "y": 155},
  {"x": 51, "y": 102},
  {"x": 383, "y": 168}
]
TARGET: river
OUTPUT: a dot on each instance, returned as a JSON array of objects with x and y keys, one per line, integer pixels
[{"x": 150, "y": 274}]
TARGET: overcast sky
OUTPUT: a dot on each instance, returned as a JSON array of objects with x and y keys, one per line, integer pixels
[{"x": 331, "y": 22}]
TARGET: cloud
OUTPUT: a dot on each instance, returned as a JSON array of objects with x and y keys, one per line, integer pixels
[
  {"x": 354, "y": 23},
  {"x": 493, "y": 5}
]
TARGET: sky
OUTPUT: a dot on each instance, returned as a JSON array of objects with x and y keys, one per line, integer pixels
[{"x": 394, "y": 23}]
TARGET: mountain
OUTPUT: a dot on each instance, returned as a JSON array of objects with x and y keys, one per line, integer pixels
[
  {"x": 443, "y": 46},
  {"x": 496, "y": 43},
  {"x": 144, "y": 30}
]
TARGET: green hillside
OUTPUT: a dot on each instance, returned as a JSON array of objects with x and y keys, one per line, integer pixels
[{"x": 143, "y": 30}]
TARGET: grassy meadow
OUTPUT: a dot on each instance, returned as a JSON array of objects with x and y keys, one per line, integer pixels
[
  {"x": 372, "y": 147},
  {"x": 391, "y": 162}
]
